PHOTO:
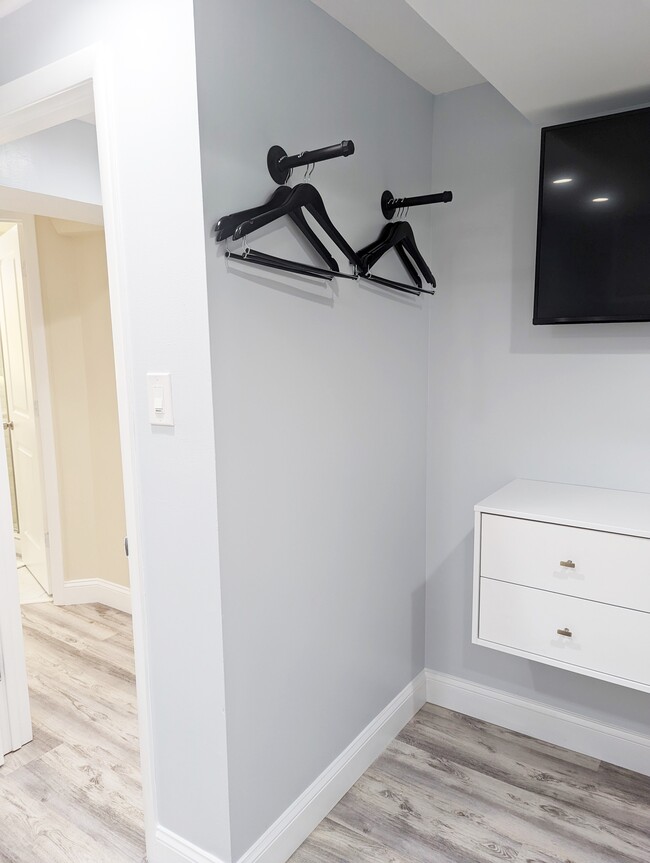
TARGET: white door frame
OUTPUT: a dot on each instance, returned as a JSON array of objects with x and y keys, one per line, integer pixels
[{"x": 65, "y": 90}]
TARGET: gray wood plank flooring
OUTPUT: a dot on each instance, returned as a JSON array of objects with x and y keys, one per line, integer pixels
[
  {"x": 73, "y": 795},
  {"x": 451, "y": 789}
]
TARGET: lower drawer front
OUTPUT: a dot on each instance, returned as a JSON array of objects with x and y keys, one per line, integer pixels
[{"x": 603, "y": 638}]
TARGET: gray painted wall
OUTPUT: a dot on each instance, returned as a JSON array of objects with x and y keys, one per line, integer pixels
[
  {"x": 506, "y": 399},
  {"x": 320, "y": 402},
  {"x": 61, "y": 161}
]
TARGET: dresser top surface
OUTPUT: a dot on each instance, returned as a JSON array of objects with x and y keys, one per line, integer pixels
[{"x": 578, "y": 505}]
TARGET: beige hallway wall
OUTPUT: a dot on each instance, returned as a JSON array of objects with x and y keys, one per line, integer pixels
[{"x": 76, "y": 310}]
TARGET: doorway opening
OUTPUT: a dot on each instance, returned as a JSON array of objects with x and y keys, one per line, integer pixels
[{"x": 63, "y": 501}]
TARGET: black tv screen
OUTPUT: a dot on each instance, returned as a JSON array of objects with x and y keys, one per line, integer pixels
[{"x": 593, "y": 229}]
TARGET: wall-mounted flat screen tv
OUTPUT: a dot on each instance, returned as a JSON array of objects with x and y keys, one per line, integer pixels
[{"x": 593, "y": 229}]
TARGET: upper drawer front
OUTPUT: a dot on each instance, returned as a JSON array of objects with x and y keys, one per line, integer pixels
[
  {"x": 600, "y": 638},
  {"x": 609, "y": 567}
]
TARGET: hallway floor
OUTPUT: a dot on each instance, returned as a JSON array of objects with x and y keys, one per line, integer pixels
[
  {"x": 73, "y": 794},
  {"x": 451, "y": 789}
]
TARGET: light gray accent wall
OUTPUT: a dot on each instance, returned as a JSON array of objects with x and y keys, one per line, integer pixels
[
  {"x": 506, "y": 399},
  {"x": 61, "y": 161},
  {"x": 320, "y": 401}
]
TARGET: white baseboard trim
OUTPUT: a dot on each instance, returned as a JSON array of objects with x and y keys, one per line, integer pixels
[
  {"x": 570, "y": 730},
  {"x": 170, "y": 848},
  {"x": 96, "y": 590},
  {"x": 305, "y": 814}
]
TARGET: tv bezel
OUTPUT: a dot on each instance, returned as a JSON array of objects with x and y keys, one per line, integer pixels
[{"x": 594, "y": 319}]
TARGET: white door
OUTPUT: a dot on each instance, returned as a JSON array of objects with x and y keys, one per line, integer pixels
[
  {"x": 15, "y": 723},
  {"x": 21, "y": 409}
]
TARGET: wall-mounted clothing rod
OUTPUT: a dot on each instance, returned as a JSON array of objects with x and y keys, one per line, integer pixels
[
  {"x": 280, "y": 164},
  {"x": 389, "y": 203}
]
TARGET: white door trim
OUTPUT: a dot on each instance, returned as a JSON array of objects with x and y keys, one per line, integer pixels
[{"x": 34, "y": 102}]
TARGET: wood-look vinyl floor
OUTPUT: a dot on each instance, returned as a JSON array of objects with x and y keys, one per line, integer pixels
[
  {"x": 451, "y": 789},
  {"x": 73, "y": 794}
]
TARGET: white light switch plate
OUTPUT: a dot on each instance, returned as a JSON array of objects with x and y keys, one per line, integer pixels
[{"x": 159, "y": 391}]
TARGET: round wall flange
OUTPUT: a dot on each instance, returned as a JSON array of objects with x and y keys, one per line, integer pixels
[
  {"x": 280, "y": 175},
  {"x": 386, "y": 198}
]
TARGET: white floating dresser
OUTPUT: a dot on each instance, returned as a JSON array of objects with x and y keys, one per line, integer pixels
[{"x": 562, "y": 576}]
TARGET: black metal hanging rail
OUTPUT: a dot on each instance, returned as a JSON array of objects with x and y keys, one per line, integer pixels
[
  {"x": 280, "y": 164},
  {"x": 389, "y": 203}
]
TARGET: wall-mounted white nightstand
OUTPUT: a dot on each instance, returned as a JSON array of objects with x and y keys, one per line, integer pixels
[{"x": 562, "y": 576}]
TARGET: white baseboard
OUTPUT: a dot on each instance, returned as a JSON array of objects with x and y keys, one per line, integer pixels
[
  {"x": 305, "y": 814},
  {"x": 570, "y": 730},
  {"x": 170, "y": 848},
  {"x": 96, "y": 590}
]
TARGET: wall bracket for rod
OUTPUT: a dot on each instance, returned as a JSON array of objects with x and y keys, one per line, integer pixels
[
  {"x": 389, "y": 203},
  {"x": 280, "y": 164}
]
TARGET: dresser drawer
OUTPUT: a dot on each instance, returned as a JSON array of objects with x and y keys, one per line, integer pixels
[
  {"x": 607, "y": 567},
  {"x": 604, "y": 639}
]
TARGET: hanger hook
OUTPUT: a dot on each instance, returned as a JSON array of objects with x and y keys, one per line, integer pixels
[{"x": 309, "y": 170}]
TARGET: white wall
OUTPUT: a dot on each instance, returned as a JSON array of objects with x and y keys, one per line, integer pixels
[
  {"x": 506, "y": 399},
  {"x": 61, "y": 161},
  {"x": 156, "y": 222},
  {"x": 320, "y": 401}
]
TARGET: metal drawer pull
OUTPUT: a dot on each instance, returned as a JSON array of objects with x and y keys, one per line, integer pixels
[
  {"x": 568, "y": 563},
  {"x": 566, "y": 632}
]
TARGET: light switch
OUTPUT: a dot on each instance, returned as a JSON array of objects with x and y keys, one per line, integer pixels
[{"x": 159, "y": 388}]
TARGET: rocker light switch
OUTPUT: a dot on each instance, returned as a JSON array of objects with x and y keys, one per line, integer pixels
[{"x": 159, "y": 388}]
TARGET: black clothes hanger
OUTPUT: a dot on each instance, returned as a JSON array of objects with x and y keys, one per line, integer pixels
[
  {"x": 400, "y": 236},
  {"x": 398, "y": 286},
  {"x": 251, "y": 256},
  {"x": 387, "y": 230},
  {"x": 227, "y": 225},
  {"x": 307, "y": 196}
]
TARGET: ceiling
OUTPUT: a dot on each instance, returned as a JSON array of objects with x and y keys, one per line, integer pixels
[
  {"x": 395, "y": 30},
  {"x": 554, "y": 60}
]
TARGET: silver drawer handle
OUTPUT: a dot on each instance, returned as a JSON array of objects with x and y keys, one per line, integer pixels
[
  {"x": 568, "y": 563},
  {"x": 566, "y": 632}
]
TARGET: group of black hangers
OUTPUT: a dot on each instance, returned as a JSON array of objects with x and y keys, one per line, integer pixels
[{"x": 291, "y": 201}]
